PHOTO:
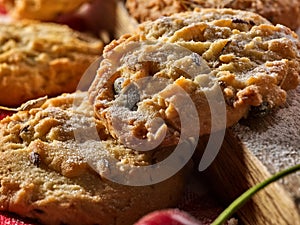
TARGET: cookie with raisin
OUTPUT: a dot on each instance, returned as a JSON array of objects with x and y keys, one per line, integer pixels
[
  {"x": 53, "y": 170},
  {"x": 226, "y": 61}
]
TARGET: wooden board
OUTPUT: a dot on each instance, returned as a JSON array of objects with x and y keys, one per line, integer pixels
[
  {"x": 275, "y": 140},
  {"x": 236, "y": 169}
]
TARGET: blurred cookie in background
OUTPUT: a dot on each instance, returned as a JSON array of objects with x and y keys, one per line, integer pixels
[
  {"x": 97, "y": 17},
  {"x": 40, "y": 9},
  {"x": 278, "y": 12},
  {"x": 285, "y": 12},
  {"x": 39, "y": 59}
]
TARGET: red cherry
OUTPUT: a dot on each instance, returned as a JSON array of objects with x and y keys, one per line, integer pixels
[{"x": 168, "y": 217}]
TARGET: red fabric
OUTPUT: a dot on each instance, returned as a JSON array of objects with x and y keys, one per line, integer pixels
[{"x": 9, "y": 219}]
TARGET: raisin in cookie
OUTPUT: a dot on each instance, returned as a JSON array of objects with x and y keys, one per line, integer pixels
[
  {"x": 40, "y": 59},
  {"x": 283, "y": 12},
  {"x": 40, "y": 9},
  {"x": 214, "y": 55},
  {"x": 45, "y": 176}
]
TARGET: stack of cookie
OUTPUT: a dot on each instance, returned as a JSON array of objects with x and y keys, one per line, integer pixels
[{"x": 124, "y": 148}]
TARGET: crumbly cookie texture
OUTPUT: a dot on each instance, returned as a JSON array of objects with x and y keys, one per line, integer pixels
[
  {"x": 45, "y": 176},
  {"x": 241, "y": 53},
  {"x": 278, "y": 12},
  {"x": 40, "y": 9},
  {"x": 38, "y": 59}
]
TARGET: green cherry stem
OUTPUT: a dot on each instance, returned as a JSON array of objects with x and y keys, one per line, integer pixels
[{"x": 240, "y": 201}]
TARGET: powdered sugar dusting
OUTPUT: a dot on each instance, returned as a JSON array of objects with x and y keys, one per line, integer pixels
[{"x": 275, "y": 139}]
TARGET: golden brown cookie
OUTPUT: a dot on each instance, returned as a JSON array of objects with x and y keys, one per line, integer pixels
[
  {"x": 227, "y": 61},
  {"x": 277, "y": 11},
  {"x": 46, "y": 175},
  {"x": 40, "y": 59},
  {"x": 143, "y": 10},
  {"x": 40, "y": 9}
]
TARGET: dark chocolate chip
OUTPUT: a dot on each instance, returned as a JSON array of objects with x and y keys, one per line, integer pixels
[
  {"x": 237, "y": 20},
  {"x": 252, "y": 23},
  {"x": 25, "y": 129}
]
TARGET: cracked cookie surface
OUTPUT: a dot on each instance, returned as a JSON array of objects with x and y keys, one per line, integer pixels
[
  {"x": 237, "y": 52},
  {"x": 45, "y": 176},
  {"x": 38, "y": 59}
]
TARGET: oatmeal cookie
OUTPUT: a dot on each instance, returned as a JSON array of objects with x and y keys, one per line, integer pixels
[
  {"x": 205, "y": 52},
  {"x": 45, "y": 176},
  {"x": 40, "y": 59},
  {"x": 40, "y": 9},
  {"x": 278, "y": 12}
]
